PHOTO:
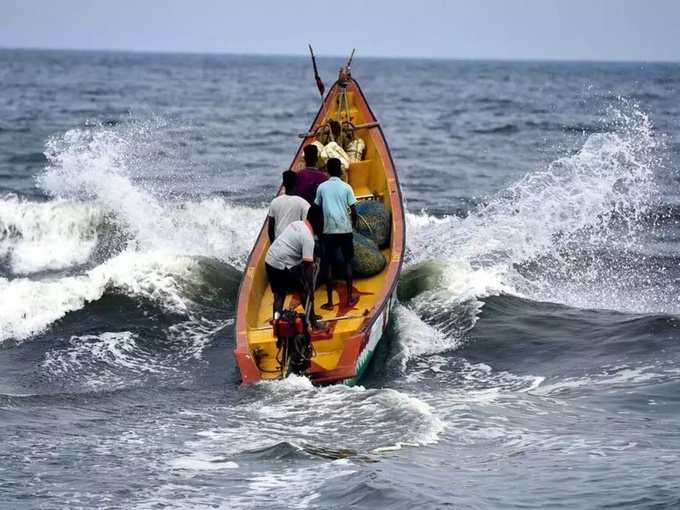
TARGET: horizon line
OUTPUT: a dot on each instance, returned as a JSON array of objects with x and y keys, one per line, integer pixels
[{"x": 334, "y": 56}]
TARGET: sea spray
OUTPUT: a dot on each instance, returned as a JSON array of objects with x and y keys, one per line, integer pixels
[
  {"x": 106, "y": 165},
  {"x": 41, "y": 236},
  {"x": 29, "y": 306},
  {"x": 163, "y": 240},
  {"x": 594, "y": 198}
]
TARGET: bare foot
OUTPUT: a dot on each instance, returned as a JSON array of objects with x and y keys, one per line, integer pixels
[
  {"x": 327, "y": 306},
  {"x": 353, "y": 301}
]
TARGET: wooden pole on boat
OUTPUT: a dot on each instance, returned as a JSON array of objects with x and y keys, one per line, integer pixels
[
  {"x": 349, "y": 61},
  {"x": 319, "y": 83}
]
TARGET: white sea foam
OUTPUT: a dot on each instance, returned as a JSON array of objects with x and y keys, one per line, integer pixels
[
  {"x": 91, "y": 178},
  {"x": 39, "y": 236},
  {"x": 29, "y": 306},
  {"x": 610, "y": 377},
  {"x": 417, "y": 338},
  {"x": 199, "y": 462},
  {"x": 95, "y": 164},
  {"x": 547, "y": 218},
  {"x": 298, "y": 486},
  {"x": 97, "y": 360},
  {"x": 315, "y": 420}
]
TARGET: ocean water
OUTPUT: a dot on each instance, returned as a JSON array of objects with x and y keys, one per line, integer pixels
[{"x": 533, "y": 360}]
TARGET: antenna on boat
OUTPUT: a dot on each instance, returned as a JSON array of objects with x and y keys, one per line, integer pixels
[
  {"x": 349, "y": 61},
  {"x": 319, "y": 83}
]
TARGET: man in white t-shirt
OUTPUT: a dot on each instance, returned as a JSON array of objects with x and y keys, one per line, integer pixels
[
  {"x": 289, "y": 263},
  {"x": 286, "y": 208}
]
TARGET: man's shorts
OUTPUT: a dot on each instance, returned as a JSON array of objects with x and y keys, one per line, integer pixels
[
  {"x": 331, "y": 243},
  {"x": 283, "y": 281}
]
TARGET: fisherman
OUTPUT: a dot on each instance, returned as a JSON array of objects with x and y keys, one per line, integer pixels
[
  {"x": 286, "y": 208},
  {"x": 309, "y": 178},
  {"x": 331, "y": 143},
  {"x": 290, "y": 262},
  {"x": 337, "y": 201}
]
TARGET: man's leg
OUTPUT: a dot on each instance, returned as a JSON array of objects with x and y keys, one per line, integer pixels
[
  {"x": 278, "y": 288},
  {"x": 351, "y": 300},
  {"x": 348, "y": 256},
  {"x": 327, "y": 269},
  {"x": 278, "y": 303},
  {"x": 318, "y": 260}
]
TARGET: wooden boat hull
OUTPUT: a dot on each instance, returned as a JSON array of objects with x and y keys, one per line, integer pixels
[
  {"x": 370, "y": 343},
  {"x": 343, "y": 354}
]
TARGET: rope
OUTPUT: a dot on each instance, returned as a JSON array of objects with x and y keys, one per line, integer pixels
[{"x": 366, "y": 223}]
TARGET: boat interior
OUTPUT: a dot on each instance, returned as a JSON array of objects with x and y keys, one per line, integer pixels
[{"x": 369, "y": 182}]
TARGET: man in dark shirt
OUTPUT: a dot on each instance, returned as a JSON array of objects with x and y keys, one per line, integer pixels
[{"x": 309, "y": 178}]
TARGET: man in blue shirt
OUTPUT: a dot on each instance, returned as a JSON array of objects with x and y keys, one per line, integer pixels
[{"x": 337, "y": 201}]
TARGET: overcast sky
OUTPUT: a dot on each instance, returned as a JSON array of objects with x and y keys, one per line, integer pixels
[{"x": 491, "y": 29}]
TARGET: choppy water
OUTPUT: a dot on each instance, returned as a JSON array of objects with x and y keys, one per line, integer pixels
[{"x": 534, "y": 359}]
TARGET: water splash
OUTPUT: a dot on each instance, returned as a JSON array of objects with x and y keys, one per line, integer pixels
[
  {"x": 47, "y": 236},
  {"x": 543, "y": 225},
  {"x": 115, "y": 167},
  {"x": 105, "y": 174},
  {"x": 30, "y": 306}
]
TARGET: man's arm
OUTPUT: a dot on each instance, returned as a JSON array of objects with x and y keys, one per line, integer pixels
[
  {"x": 352, "y": 203},
  {"x": 271, "y": 228},
  {"x": 308, "y": 282},
  {"x": 317, "y": 198},
  {"x": 308, "y": 268}
]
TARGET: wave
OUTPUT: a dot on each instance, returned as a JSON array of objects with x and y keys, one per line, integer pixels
[
  {"x": 572, "y": 234},
  {"x": 581, "y": 128},
  {"x": 416, "y": 338},
  {"x": 105, "y": 230},
  {"x": 580, "y": 203},
  {"x": 608, "y": 378},
  {"x": 512, "y": 244},
  {"x": 504, "y": 129},
  {"x": 104, "y": 165},
  {"x": 62, "y": 233},
  {"x": 12, "y": 129},
  {"x": 298, "y": 423},
  {"x": 323, "y": 429},
  {"x": 106, "y": 361},
  {"x": 115, "y": 360},
  {"x": 30, "y": 306},
  {"x": 39, "y": 236},
  {"x": 180, "y": 285}
]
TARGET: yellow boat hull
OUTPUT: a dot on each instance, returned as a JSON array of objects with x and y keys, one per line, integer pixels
[{"x": 342, "y": 353}]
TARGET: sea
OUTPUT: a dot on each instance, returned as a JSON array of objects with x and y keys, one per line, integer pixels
[{"x": 532, "y": 360}]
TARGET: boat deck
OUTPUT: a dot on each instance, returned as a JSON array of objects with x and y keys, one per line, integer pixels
[{"x": 342, "y": 322}]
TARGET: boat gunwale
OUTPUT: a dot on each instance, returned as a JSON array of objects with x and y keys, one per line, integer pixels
[{"x": 249, "y": 371}]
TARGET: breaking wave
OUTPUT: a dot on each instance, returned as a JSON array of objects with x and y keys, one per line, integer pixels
[
  {"x": 48, "y": 235},
  {"x": 110, "y": 227},
  {"x": 546, "y": 236},
  {"x": 118, "y": 228},
  {"x": 596, "y": 197},
  {"x": 277, "y": 406}
]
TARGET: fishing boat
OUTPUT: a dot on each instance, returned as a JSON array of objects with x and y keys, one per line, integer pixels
[{"x": 341, "y": 352}]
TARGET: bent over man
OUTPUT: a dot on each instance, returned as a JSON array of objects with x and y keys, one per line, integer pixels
[{"x": 290, "y": 261}]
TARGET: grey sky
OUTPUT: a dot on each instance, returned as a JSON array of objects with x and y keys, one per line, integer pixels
[{"x": 519, "y": 29}]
